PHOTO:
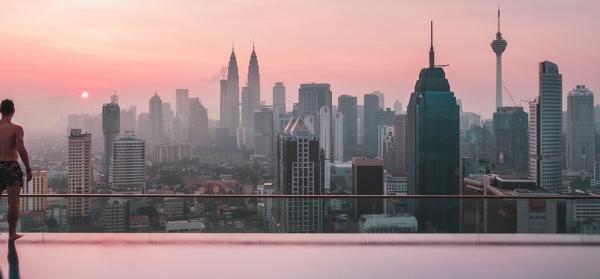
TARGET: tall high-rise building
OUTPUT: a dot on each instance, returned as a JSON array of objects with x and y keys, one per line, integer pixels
[
  {"x": 80, "y": 175},
  {"x": 360, "y": 124},
  {"x": 251, "y": 98},
  {"x": 128, "y": 119},
  {"x": 110, "y": 128},
  {"x": 397, "y": 107},
  {"x": 156, "y": 117},
  {"x": 385, "y": 139},
  {"x": 278, "y": 105},
  {"x": 399, "y": 165},
  {"x": 230, "y": 98},
  {"x": 371, "y": 121},
  {"x": 367, "y": 179},
  {"x": 338, "y": 137},
  {"x": 168, "y": 119},
  {"x": 279, "y": 97},
  {"x": 432, "y": 139},
  {"x": 498, "y": 46},
  {"x": 143, "y": 125},
  {"x": 347, "y": 106},
  {"x": 129, "y": 167},
  {"x": 181, "y": 103},
  {"x": 545, "y": 129},
  {"x": 181, "y": 113},
  {"x": 198, "y": 122},
  {"x": 511, "y": 156},
  {"x": 468, "y": 120},
  {"x": 380, "y": 99},
  {"x": 325, "y": 142},
  {"x": 263, "y": 132},
  {"x": 580, "y": 130},
  {"x": 37, "y": 186},
  {"x": 299, "y": 172},
  {"x": 386, "y": 117},
  {"x": 312, "y": 97},
  {"x": 325, "y": 136}
]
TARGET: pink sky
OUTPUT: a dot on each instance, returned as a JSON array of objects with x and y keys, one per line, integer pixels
[{"x": 50, "y": 51}]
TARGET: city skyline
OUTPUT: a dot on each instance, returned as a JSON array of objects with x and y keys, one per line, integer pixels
[{"x": 364, "y": 62}]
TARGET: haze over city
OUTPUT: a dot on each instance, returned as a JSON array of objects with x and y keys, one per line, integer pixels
[{"x": 52, "y": 52}]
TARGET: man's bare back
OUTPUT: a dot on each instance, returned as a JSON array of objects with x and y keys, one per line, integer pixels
[
  {"x": 9, "y": 132},
  {"x": 11, "y": 176}
]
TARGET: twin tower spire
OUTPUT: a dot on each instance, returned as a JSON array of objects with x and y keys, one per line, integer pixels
[{"x": 431, "y": 51}]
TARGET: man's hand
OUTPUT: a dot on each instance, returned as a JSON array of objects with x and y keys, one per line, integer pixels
[{"x": 29, "y": 175}]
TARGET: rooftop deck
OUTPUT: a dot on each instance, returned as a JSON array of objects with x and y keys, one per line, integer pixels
[{"x": 155, "y": 255}]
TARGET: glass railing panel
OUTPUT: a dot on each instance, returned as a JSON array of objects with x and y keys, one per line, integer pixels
[{"x": 304, "y": 214}]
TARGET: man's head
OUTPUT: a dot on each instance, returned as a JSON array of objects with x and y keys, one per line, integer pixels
[{"x": 7, "y": 107}]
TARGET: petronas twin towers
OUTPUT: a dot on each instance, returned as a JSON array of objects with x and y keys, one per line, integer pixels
[{"x": 230, "y": 98}]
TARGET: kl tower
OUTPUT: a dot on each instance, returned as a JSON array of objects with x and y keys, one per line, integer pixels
[{"x": 499, "y": 45}]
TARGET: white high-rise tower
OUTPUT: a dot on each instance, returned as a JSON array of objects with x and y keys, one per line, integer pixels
[{"x": 499, "y": 45}]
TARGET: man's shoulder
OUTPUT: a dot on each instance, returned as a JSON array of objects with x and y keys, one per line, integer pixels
[{"x": 16, "y": 127}]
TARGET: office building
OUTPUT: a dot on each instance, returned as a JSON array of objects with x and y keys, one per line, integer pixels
[
  {"x": 367, "y": 179},
  {"x": 143, "y": 125},
  {"x": 581, "y": 149},
  {"x": 168, "y": 120},
  {"x": 347, "y": 106},
  {"x": 263, "y": 132},
  {"x": 181, "y": 114},
  {"x": 385, "y": 141},
  {"x": 398, "y": 167},
  {"x": 300, "y": 171},
  {"x": 360, "y": 125},
  {"x": 115, "y": 215},
  {"x": 312, "y": 97},
  {"x": 128, "y": 119},
  {"x": 279, "y": 97},
  {"x": 279, "y": 109},
  {"x": 325, "y": 136},
  {"x": 80, "y": 175},
  {"x": 172, "y": 153},
  {"x": 37, "y": 186},
  {"x": 181, "y": 103},
  {"x": 110, "y": 128},
  {"x": 380, "y": 98},
  {"x": 156, "y": 117},
  {"x": 129, "y": 164},
  {"x": 338, "y": 137},
  {"x": 545, "y": 129},
  {"x": 432, "y": 139},
  {"x": 371, "y": 121},
  {"x": 386, "y": 117},
  {"x": 468, "y": 120},
  {"x": 198, "y": 123},
  {"x": 398, "y": 107},
  {"x": 511, "y": 155}
]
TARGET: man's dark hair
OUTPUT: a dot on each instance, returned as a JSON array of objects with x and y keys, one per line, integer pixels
[{"x": 7, "y": 107}]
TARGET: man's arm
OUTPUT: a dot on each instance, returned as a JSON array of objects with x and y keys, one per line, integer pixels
[{"x": 22, "y": 151}]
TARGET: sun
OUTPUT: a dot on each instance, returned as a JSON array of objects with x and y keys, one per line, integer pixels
[{"x": 84, "y": 95}]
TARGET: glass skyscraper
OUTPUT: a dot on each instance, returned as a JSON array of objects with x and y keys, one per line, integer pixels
[{"x": 433, "y": 149}]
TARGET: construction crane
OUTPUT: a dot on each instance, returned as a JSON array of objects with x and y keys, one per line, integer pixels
[{"x": 510, "y": 96}]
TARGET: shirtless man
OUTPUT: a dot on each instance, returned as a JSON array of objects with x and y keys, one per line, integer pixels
[{"x": 11, "y": 176}]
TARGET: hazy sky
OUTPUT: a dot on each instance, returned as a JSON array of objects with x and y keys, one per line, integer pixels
[{"x": 51, "y": 51}]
